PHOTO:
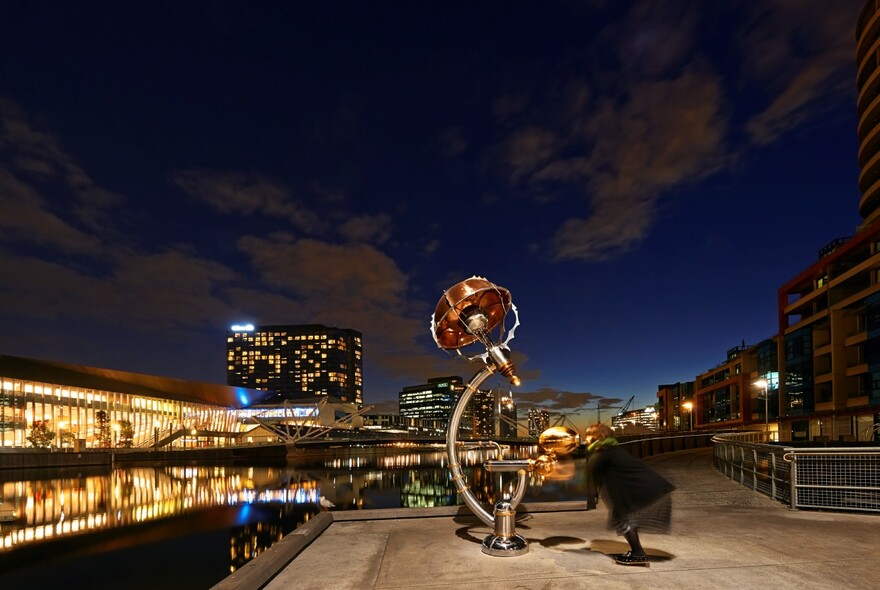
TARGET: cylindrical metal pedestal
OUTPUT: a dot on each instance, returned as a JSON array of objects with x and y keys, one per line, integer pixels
[{"x": 504, "y": 542}]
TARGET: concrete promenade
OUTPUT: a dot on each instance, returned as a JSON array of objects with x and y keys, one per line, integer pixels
[{"x": 723, "y": 536}]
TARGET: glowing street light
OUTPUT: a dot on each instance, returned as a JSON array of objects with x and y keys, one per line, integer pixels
[
  {"x": 764, "y": 384},
  {"x": 689, "y": 406}
]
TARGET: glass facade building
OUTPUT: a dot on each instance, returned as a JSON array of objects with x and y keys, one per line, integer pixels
[{"x": 56, "y": 405}]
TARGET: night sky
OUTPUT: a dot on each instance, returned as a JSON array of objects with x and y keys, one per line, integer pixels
[{"x": 642, "y": 176}]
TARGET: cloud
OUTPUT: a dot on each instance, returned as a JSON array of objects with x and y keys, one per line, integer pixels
[
  {"x": 452, "y": 142},
  {"x": 37, "y": 159},
  {"x": 529, "y": 150},
  {"x": 367, "y": 228},
  {"x": 624, "y": 157},
  {"x": 611, "y": 144},
  {"x": 655, "y": 38},
  {"x": 350, "y": 285},
  {"x": 25, "y": 218},
  {"x": 248, "y": 194},
  {"x": 802, "y": 54},
  {"x": 555, "y": 400}
]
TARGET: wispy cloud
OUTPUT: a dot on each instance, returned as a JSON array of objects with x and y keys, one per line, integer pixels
[
  {"x": 367, "y": 228},
  {"x": 654, "y": 114},
  {"x": 36, "y": 161},
  {"x": 172, "y": 290},
  {"x": 348, "y": 285},
  {"x": 248, "y": 194},
  {"x": 802, "y": 54}
]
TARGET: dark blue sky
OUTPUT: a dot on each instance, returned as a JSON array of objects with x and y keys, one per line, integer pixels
[{"x": 642, "y": 176}]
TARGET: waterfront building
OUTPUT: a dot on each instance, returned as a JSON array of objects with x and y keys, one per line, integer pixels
[
  {"x": 722, "y": 392},
  {"x": 58, "y": 405},
  {"x": 730, "y": 395},
  {"x": 672, "y": 412},
  {"x": 646, "y": 419},
  {"x": 395, "y": 424},
  {"x": 539, "y": 421},
  {"x": 435, "y": 401},
  {"x": 829, "y": 314},
  {"x": 296, "y": 362},
  {"x": 829, "y": 349},
  {"x": 819, "y": 378}
]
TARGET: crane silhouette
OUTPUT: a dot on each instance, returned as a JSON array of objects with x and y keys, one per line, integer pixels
[{"x": 601, "y": 405}]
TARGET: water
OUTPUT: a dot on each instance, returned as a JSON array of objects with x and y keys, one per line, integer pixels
[{"x": 190, "y": 526}]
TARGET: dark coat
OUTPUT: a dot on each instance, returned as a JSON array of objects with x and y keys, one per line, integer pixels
[{"x": 628, "y": 486}]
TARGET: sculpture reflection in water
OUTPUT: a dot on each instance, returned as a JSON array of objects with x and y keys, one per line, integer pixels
[{"x": 476, "y": 311}]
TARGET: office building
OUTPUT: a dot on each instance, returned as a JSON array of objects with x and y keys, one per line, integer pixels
[
  {"x": 296, "y": 362},
  {"x": 433, "y": 400}
]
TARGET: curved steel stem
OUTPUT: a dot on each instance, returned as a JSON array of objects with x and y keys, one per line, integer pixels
[{"x": 452, "y": 443}]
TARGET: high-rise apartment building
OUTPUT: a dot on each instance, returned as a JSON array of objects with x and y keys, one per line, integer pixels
[
  {"x": 868, "y": 109},
  {"x": 296, "y": 362}
]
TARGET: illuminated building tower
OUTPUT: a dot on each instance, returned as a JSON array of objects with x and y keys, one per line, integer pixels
[
  {"x": 539, "y": 421},
  {"x": 483, "y": 408},
  {"x": 507, "y": 413},
  {"x": 296, "y": 362},
  {"x": 868, "y": 109}
]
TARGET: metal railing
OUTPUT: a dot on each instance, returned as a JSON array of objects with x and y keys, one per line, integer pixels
[{"x": 846, "y": 478}]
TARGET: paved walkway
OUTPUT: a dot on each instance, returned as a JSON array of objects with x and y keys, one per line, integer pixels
[{"x": 723, "y": 536}]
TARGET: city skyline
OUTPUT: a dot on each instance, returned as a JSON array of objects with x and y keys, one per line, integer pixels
[{"x": 643, "y": 177}]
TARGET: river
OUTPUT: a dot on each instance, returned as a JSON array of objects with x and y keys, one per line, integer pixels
[{"x": 190, "y": 526}]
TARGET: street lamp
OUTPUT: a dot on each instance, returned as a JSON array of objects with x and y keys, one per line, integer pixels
[
  {"x": 764, "y": 384},
  {"x": 689, "y": 406}
]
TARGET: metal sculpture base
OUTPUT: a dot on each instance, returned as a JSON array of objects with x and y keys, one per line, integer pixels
[
  {"x": 504, "y": 542},
  {"x": 505, "y": 546}
]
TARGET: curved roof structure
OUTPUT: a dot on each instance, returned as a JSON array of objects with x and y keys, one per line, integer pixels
[{"x": 132, "y": 383}]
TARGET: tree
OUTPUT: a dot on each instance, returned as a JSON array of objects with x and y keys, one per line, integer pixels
[
  {"x": 126, "y": 433},
  {"x": 41, "y": 435},
  {"x": 102, "y": 425},
  {"x": 68, "y": 439}
]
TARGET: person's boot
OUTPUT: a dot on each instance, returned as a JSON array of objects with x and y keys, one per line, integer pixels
[{"x": 636, "y": 555}]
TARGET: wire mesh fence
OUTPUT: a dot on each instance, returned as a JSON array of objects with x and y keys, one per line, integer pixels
[{"x": 845, "y": 479}]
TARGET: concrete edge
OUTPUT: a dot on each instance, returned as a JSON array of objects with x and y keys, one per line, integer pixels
[
  {"x": 439, "y": 511},
  {"x": 259, "y": 571}
]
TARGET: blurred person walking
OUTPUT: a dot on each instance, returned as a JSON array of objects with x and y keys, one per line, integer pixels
[{"x": 638, "y": 498}]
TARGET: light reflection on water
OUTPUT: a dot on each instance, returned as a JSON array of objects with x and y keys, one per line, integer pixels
[{"x": 224, "y": 515}]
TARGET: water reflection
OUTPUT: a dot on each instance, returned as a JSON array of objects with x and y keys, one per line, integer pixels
[{"x": 93, "y": 512}]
